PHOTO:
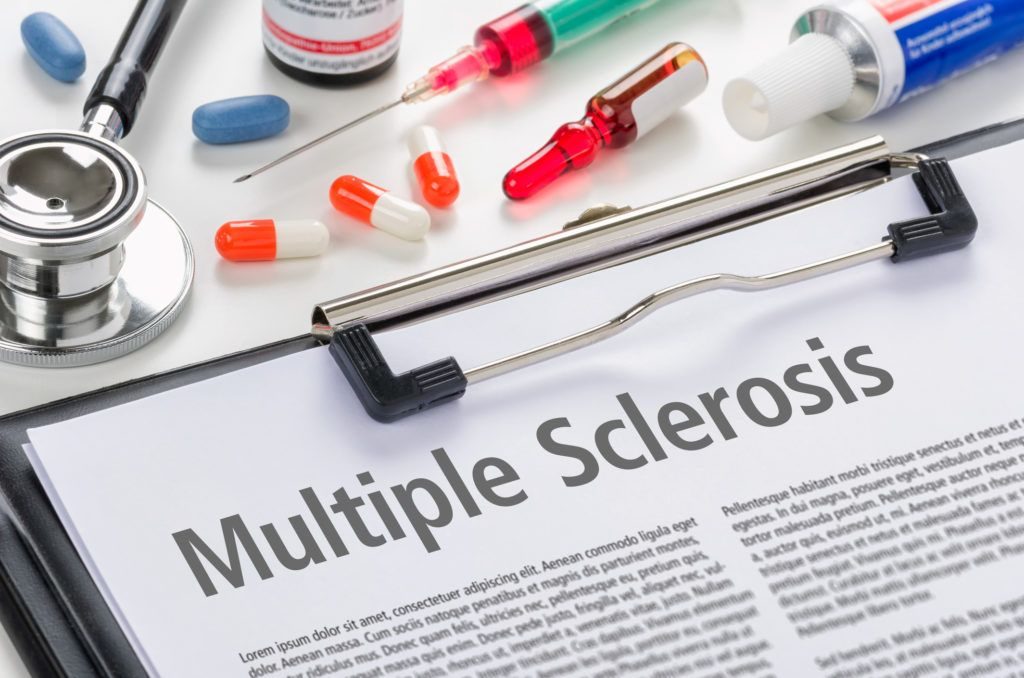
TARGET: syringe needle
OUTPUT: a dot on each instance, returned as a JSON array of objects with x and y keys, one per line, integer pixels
[
  {"x": 321, "y": 139},
  {"x": 509, "y": 44}
]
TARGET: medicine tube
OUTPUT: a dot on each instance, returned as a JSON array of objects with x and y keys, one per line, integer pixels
[
  {"x": 616, "y": 117},
  {"x": 855, "y": 58}
]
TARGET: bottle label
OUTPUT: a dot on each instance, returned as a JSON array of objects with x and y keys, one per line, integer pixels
[
  {"x": 942, "y": 39},
  {"x": 654, "y": 106},
  {"x": 333, "y": 37}
]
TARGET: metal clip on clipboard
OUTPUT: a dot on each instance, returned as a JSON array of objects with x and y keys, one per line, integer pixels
[{"x": 606, "y": 236}]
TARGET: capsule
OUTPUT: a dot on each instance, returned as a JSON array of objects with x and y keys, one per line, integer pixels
[
  {"x": 433, "y": 167},
  {"x": 381, "y": 209},
  {"x": 240, "y": 119},
  {"x": 53, "y": 46},
  {"x": 267, "y": 239}
]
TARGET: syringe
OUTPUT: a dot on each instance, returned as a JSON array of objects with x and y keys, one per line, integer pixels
[{"x": 509, "y": 44}]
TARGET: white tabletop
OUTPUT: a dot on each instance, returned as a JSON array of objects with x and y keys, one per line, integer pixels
[{"x": 216, "y": 53}]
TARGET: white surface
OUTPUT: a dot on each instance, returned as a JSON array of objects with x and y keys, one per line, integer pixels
[
  {"x": 217, "y": 53},
  {"x": 330, "y": 440}
]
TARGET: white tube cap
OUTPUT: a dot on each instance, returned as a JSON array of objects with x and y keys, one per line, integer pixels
[{"x": 814, "y": 75}]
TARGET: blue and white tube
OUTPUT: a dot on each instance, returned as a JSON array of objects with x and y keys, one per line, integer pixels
[{"x": 854, "y": 58}]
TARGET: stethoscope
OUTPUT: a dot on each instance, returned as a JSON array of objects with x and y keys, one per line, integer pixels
[{"x": 90, "y": 267}]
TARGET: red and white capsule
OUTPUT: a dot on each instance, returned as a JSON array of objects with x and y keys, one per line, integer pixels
[
  {"x": 434, "y": 169},
  {"x": 267, "y": 239},
  {"x": 376, "y": 206}
]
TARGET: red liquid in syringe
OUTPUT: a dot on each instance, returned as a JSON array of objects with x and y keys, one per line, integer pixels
[{"x": 615, "y": 117}]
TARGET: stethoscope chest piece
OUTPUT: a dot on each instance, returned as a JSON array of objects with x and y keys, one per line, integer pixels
[{"x": 90, "y": 269}]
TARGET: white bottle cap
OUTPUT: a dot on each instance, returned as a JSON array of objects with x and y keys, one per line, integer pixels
[{"x": 814, "y": 75}]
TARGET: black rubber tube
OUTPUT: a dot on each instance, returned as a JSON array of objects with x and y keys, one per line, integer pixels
[{"x": 122, "y": 82}]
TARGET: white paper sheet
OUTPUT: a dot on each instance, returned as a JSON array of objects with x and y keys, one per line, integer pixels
[{"x": 947, "y": 331}]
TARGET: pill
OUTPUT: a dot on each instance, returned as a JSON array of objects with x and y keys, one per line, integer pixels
[
  {"x": 381, "y": 209},
  {"x": 53, "y": 46},
  {"x": 433, "y": 167},
  {"x": 267, "y": 239},
  {"x": 232, "y": 121}
]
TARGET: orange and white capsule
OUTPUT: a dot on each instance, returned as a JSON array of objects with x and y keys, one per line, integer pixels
[
  {"x": 376, "y": 206},
  {"x": 433, "y": 167},
  {"x": 267, "y": 239}
]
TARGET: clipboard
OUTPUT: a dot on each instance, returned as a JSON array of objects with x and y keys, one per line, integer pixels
[{"x": 50, "y": 605}]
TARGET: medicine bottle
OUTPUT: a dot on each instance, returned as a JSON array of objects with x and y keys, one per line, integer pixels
[{"x": 335, "y": 42}]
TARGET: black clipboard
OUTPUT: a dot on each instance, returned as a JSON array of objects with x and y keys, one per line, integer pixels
[{"x": 49, "y": 603}]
